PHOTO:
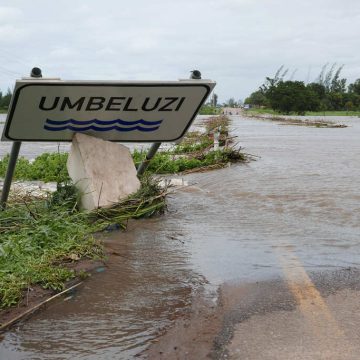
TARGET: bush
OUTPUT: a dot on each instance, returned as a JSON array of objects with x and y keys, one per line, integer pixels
[
  {"x": 293, "y": 96},
  {"x": 209, "y": 110}
]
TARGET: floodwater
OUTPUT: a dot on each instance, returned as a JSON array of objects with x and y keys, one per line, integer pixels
[{"x": 300, "y": 200}]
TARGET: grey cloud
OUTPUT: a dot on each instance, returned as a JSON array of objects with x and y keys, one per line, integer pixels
[{"x": 235, "y": 42}]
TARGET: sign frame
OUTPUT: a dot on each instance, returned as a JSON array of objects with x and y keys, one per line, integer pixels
[{"x": 208, "y": 85}]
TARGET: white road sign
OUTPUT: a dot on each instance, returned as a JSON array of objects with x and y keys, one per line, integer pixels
[{"x": 53, "y": 110}]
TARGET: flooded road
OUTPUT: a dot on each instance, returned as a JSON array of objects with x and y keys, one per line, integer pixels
[{"x": 294, "y": 211}]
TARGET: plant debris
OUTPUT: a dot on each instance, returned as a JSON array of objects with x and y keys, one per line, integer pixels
[{"x": 298, "y": 122}]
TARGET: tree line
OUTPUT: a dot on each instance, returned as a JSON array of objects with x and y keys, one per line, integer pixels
[
  {"x": 213, "y": 107},
  {"x": 327, "y": 93}
]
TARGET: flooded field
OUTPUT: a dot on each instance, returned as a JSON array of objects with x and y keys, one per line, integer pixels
[{"x": 297, "y": 206}]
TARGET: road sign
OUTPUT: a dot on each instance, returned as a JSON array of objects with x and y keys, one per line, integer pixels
[{"x": 53, "y": 110}]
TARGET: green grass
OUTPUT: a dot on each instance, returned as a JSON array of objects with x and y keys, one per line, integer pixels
[
  {"x": 39, "y": 237},
  {"x": 172, "y": 163},
  {"x": 209, "y": 110},
  {"x": 46, "y": 167},
  {"x": 195, "y": 151},
  {"x": 254, "y": 111}
]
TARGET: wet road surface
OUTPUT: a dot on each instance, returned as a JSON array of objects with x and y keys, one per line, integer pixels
[{"x": 242, "y": 253}]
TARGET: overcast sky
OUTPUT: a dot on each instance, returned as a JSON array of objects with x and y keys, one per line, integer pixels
[{"x": 234, "y": 42}]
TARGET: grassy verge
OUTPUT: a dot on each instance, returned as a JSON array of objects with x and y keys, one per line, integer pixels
[
  {"x": 308, "y": 113},
  {"x": 41, "y": 237},
  {"x": 194, "y": 152}
]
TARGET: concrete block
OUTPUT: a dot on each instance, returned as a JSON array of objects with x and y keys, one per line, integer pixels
[{"x": 103, "y": 171}]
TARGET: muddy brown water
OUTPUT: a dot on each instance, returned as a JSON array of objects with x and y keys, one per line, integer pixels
[{"x": 301, "y": 198}]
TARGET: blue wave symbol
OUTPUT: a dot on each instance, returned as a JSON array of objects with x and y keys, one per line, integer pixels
[
  {"x": 103, "y": 122},
  {"x": 96, "y": 128},
  {"x": 78, "y": 126}
]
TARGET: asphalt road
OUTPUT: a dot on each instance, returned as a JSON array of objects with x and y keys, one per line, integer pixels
[
  {"x": 305, "y": 316},
  {"x": 281, "y": 238}
]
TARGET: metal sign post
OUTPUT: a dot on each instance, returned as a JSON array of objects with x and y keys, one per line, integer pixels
[
  {"x": 120, "y": 111},
  {"x": 14, "y": 154},
  {"x": 151, "y": 153},
  {"x": 195, "y": 74},
  {"x": 15, "y": 149}
]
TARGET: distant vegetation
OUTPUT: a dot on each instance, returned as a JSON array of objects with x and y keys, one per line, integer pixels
[
  {"x": 208, "y": 109},
  {"x": 213, "y": 107},
  {"x": 5, "y": 101},
  {"x": 328, "y": 92}
]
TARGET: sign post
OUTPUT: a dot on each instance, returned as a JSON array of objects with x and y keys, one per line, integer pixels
[
  {"x": 195, "y": 74},
  {"x": 14, "y": 154},
  {"x": 119, "y": 111},
  {"x": 151, "y": 153}
]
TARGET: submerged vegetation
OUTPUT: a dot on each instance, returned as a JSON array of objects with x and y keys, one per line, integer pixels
[
  {"x": 42, "y": 237},
  {"x": 283, "y": 120},
  {"x": 196, "y": 151},
  {"x": 268, "y": 111}
]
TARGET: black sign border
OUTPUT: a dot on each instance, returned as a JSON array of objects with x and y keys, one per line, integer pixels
[{"x": 17, "y": 94}]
